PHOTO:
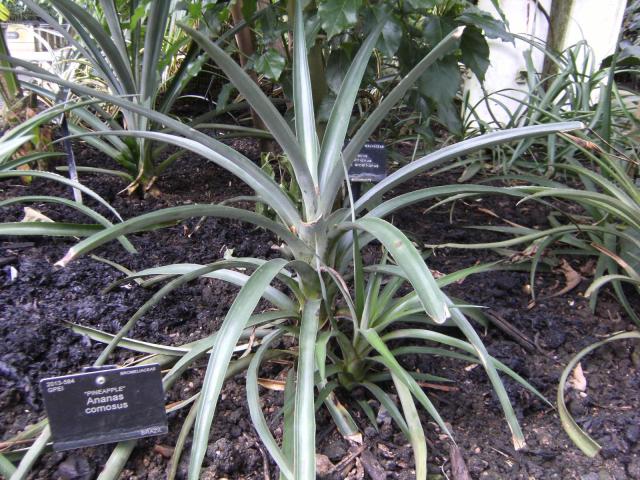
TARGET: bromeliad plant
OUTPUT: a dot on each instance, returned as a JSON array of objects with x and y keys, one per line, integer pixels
[
  {"x": 128, "y": 50},
  {"x": 341, "y": 312}
]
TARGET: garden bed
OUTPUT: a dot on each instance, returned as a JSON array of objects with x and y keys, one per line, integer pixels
[{"x": 37, "y": 343}]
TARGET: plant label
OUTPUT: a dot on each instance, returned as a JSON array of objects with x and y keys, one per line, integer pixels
[
  {"x": 105, "y": 406},
  {"x": 370, "y": 165}
]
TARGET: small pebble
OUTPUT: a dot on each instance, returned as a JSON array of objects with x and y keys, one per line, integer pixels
[
  {"x": 632, "y": 433},
  {"x": 633, "y": 468}
]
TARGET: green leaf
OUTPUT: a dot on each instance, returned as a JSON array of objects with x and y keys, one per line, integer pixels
[
  {"x": 117, "y": 460},
  {"x": 416, "y": 433},
  {"x": 167, "y": 215},
  {"x": 49, "y": 229},
  {"x": 305, "y": 416},
  {"x": 33, "y": 454},
  {"x": 338, "y": 15},
  {"x": 492, "y": 27},
  {"x": 185, "y": 429},
  {"x": 475, "y": 51},
  {"x": 441, "y": 81},
  {"x": 422, "y": 4},
  {"x": 449, "y": 115},
  {"x": 265, "y": 109},
  {"x": 337, "y": 67},
  {"x": 248, "y": 8},
  {"x": 255, "y": 409},
  {"x": 391, "y": 37},
  {"x": 410, "y": 261},
  {"x": 387, "y": 359},
  {"x": 60, "y": 179},
  {"x": 588, "y": 446},
  {"x": 4, "y": 13},
  {"x": 70, "y": 203},
  {"x": 270, "y": 64},
  {"x": 303, "y": 101},
  {"x": 437, "y": 28},
  {"x": 289, "y": 416},
  {"x": 228, "y": 335},
  {"x": 331, "y": 167},
  {"x": 6, "y": 467},
  {"x": 389, "y": 405}
]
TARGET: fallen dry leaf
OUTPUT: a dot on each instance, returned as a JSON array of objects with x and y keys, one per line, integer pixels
[
  {"x": 572, "y": 279},
  {"x": 458, "y": 467},
  {"x": 276, "y": 385},
  {"x": 577, "y": 381},
  {"x": 33, "y": 215}
]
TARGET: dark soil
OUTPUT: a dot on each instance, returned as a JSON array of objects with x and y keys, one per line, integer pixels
[{"x": 37, "y": 343}]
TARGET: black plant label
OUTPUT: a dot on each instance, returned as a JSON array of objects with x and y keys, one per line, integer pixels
[
  {"x": 370, "y": 165},
  {"x": 105, "y": 406}
]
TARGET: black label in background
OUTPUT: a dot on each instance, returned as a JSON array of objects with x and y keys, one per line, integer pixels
[
  {"x": 370, "y": 165},
  {"x": 106, "y": 406}
]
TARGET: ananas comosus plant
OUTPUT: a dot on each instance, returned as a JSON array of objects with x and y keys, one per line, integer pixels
[{"x": 342, "y": 313}]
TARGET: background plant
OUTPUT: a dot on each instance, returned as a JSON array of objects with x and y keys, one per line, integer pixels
[
  {"x": 577, "y": 90},
  {"x": 335, "y": 30},
  {"x": 130, "y": 49}
]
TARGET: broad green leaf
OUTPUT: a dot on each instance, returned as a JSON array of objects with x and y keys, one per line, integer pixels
[
  {"x": 440, "y": 82},
  {"x": 492, "y": 27},
  {"x": 337, "y": 66},
  {"x": 436, "y": 28},
  {"x": 338, "y": 15},
  {"x": 422, "y": 4},
  {"x": 391, "y": 37},
  {"x": 475, "y": 51},
  {"x": 270, "y": 64}
]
